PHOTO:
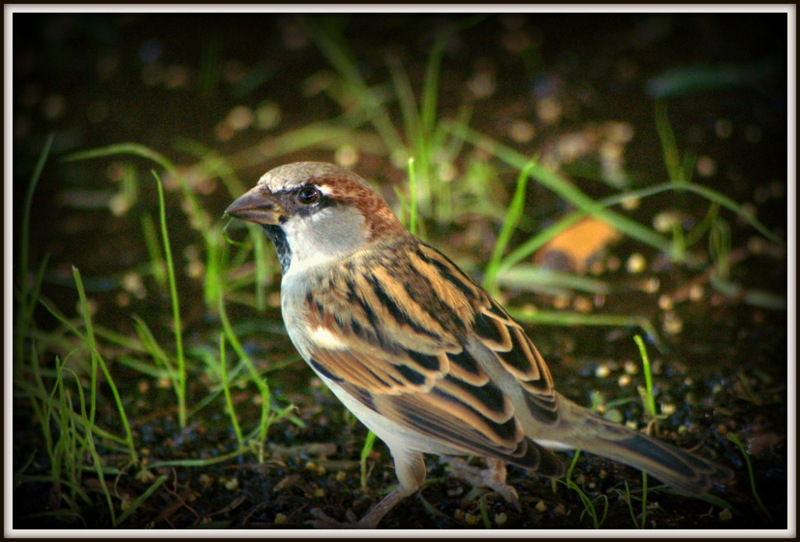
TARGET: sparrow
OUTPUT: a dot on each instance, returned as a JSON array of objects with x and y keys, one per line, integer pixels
[{"x": 421, "y": 354}]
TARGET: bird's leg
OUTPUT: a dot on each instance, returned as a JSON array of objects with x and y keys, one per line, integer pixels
[
  {"x": 410, "y": 469},
  {"x": 494, "y": 477},
  {"x": 369, "y": 521}
]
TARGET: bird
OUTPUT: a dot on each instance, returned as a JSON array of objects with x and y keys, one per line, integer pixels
[{"x": 419, "y": 353}]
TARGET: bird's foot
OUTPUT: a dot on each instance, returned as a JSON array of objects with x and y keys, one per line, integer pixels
[
  {"x": 494, "y": 477},
  {"x": 369, "y": 521},
  {"x": 323, "y": 521}
]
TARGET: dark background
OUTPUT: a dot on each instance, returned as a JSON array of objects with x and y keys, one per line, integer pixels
[{"x": 97, "y": 79}]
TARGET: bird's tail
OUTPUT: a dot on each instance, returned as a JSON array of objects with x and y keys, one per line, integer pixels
[{"x": 683, "y": 471}]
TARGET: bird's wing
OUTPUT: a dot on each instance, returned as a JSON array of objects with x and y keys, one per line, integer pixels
[{"x": 411, "y": 350}]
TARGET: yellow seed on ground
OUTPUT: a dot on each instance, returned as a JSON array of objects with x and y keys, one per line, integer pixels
[
  {"x": 602, "y": 371},
  {"x": 636, "y": 263}
]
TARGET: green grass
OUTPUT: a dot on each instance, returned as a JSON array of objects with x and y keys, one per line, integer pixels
[
  {"x": 421, "y": 134},
  {"x": 648, "y": 393},
  {"x": 598, "y": 517},
  {"x": 55, "y": 402},
  {"x": 763, "y": 509},
  {"x": 74, "y": 415},
  {"x": 179, "y": 383},
  {"x": 516, "y": 209},
  {"x": 27, "y": 296},
  {"x": 63, "y": 397}
]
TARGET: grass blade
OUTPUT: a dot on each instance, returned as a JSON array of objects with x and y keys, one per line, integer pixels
[
  {"x": 176, "y": 311},
  {"x": 513, "y": 215}
]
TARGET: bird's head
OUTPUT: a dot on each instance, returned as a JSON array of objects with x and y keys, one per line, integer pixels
[{"x": 316, "y": 212}]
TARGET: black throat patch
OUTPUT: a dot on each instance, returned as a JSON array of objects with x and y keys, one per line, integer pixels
[{"x": 278, "y": 238}]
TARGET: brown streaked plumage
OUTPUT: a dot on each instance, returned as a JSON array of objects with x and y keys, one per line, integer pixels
[{"x": 417, "y": 351}]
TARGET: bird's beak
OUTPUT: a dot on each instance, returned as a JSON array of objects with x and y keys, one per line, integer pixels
[{"x": 258, "y": 206}]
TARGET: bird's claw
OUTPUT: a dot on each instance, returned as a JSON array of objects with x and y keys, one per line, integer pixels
[
  {"x": 494, "y": 478},
  {"x": 323, "y": 521}
]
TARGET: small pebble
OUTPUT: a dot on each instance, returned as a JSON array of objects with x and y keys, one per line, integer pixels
[
  {"x": 673, "y": 324},
  {"x": 560, "y": 302},
  {"x": 240, "y": 118},
  {"x": 651, "y": 285},
  {"x": 549, "y": 110},
  {"x": 602, "y": 371},
  {"x": 91, "y": 304},
  {"x": 631, "y": 367},
  {"x": 664, "y": 222},
  {"x": 582, "y": 304},
  {"x": 471, "y": 519},
  {"x": 636, "y": 263},
  {"x": 706, "y": 166},
  {"x": 346, "y": 156},
  {"x": 631, "y": 203},
  {"x": 521, "y": 131},
  {"x": 723, "y": 128},
  {"x": 195, "y": 269},
  {"x": 176, "y": 76},
  {"x": 483, "y": 84},
  {"x": 597, "y": 267},
  {"x": 119, "y": 204}
]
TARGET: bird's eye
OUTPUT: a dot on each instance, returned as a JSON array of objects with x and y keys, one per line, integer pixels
[{"x": 308, "y": 195}]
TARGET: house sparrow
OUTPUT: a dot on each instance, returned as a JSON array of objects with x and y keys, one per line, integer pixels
[{"x": 420, "y": 354}]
